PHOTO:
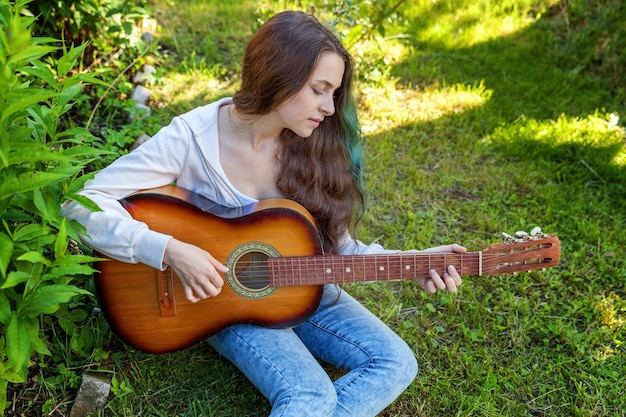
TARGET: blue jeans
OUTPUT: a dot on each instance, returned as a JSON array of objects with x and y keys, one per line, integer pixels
[{"x": 282, "y": 364}]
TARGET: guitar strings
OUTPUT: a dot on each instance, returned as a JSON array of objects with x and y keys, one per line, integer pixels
[{"x": 251, "y": 272}]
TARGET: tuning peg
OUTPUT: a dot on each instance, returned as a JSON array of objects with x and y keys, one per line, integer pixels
[
  {"x": 508, "y": 237},
  {"x": 536, "y": 232},
  {"x": 522, "y": 235}
]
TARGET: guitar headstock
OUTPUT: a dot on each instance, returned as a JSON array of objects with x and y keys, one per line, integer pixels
[{"x": 522, "y": 252}]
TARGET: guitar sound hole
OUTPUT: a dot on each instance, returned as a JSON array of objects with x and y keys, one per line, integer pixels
[{"x": 251, "y": 270}]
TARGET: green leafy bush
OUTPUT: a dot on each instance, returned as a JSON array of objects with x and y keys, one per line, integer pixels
[
  {"x": 40, "y": 163},
  {"x": 115, "y": 39},
  {"x": 106, "y": 26}
]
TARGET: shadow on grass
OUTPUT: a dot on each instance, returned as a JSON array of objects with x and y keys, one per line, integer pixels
[{"x": 536, "y": 80}]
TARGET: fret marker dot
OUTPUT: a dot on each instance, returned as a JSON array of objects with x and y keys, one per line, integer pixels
[
  {"x": 407, "y": 267},
  {"x": 328, "y": 271},
  {"x": 348, "y": 270},
  {"x": 382, "y": 268}
]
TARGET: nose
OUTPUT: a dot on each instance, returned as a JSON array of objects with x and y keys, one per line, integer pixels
[{"x": 327, "y": 107}]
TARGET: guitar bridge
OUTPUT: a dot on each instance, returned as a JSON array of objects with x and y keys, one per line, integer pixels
[{"x": 167, "y": 301}]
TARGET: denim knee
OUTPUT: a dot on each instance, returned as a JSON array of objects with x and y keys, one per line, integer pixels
[
  {"x": 399, "y": 366},
  {"x": 311, "y": 397}
]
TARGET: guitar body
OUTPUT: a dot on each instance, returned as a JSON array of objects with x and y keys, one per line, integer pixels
[{"x": 147, "y": 308}]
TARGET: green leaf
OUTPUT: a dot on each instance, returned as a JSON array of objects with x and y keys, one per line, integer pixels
[
  {"x": 37, "y": 343},
  {"x": 40, "y": 203},
  {"x": 11, "y": 377},
  {"x": 60, "y": 244},
  {"x": 68, "y": 94},
  {"x": 74, "y": 260},
  {"x": 29, "y": 182},
  {"x": 29, "y": 232},
  {"x": 6, "y": 252},
  {"x": 68, "y": 60},
  {"x": 5, "y": 309},
  {"x": 46, "y": 299},
  {"x": 85, "y": 202},
  {"x": 19, "y": 100},
  {"x": 3, "y": 390},
  {"x": 30, "y": 54},
  {"x": 43, "y": 121},
  {"x": 77, "y": 315},
  {"x": 19, "y": 134},
  {"x": 32, "y": 152},
  {"x": 18, "y": 342},
  {"x": 15, "y": 278},
  {"x": 42, "y": 71},
  {"x": 69, "y": 271},
  {"x": 77, "y": 135},
  {"x": 34, "y": 257},
  {"x": 85, "y": 78}
]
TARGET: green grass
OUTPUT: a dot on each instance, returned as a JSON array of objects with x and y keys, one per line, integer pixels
[{"x": 486, "y": 123}]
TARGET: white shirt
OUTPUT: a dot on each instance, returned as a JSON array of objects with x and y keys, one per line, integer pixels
[{"x": 185, "y": 152}]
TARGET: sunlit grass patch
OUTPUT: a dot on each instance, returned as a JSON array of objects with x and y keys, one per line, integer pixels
[
  {"x": 387, "y": 107},
  {"x": 182, "y": 91},
  {"x": 589, "y": 144},
  {"x": 471, "y": 23}
]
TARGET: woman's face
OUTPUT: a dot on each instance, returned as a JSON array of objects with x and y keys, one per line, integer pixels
[{"x": 305, "y": 110}]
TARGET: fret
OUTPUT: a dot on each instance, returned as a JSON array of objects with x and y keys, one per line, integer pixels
[
  {"x": 375, "y": 268},
  {"x": 278, "y": 266},
  {"x": 285, "y": 271},
  {"x": 309, "y": 270},
  {"x": 429, "y": 267},
  {"x": 388, "y": 268},
  {"x": 331, "y": 271},
  {"x": 363, "y": 261},
  {"x": 292, "y": 277},
  {"x": 320, "y": 270},
  {"x": 352, "y": 280}
]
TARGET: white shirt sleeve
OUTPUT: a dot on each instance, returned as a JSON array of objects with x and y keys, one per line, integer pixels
[{"x": 113, "y": 231}]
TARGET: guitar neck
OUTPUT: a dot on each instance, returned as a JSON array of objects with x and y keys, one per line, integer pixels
[{"x": 336, "y": 269}]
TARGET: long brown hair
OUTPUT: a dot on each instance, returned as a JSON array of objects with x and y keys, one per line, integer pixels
[{"x": 321, "y": 172}]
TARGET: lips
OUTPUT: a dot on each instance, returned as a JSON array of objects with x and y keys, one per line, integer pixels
[{"x": 316, "y": 122}]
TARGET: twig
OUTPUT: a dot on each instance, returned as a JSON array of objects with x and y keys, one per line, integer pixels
[
  {"x": 593, "y": 171},
  {"x": 93, "y": 112}
]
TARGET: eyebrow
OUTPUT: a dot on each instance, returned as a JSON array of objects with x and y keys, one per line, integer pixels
[{"x": 326, "y": 83}]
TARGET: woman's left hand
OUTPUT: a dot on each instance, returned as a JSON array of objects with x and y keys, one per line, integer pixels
[{"x": 450, "y": 279}]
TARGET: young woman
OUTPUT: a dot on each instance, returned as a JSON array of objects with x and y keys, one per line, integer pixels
[{"x": 290, "y": 131}]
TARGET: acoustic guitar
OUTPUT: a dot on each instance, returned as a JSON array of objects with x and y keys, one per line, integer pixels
[{"x": 277, "y": 268}]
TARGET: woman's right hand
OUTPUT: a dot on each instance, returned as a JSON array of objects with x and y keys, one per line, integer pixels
[{"x": 199, "y": 272}]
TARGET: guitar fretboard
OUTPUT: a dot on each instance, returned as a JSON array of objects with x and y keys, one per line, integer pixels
[{"x": 331, "y": 269}]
